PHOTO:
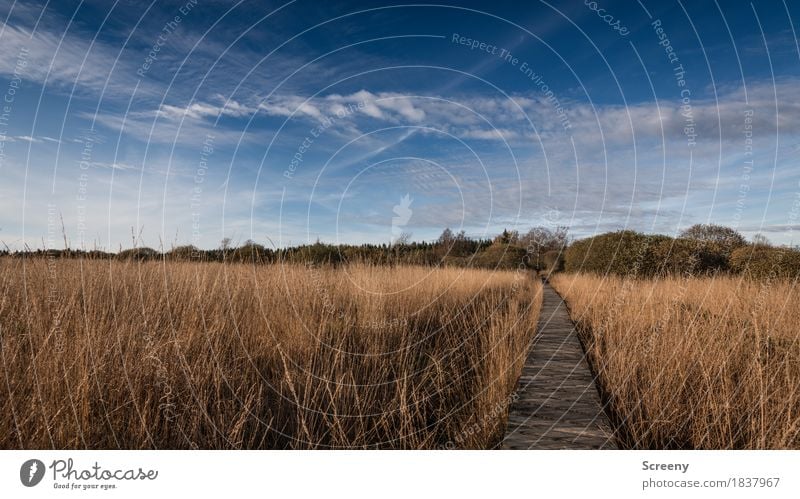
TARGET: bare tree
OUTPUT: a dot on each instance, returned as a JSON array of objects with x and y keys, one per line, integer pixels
[
  {"x": 542, "y": 240},
  {"x": 403, "y": 239},
  {"x": 447, "y": 237}
]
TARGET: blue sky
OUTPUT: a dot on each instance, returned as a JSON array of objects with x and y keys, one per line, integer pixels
[{"x": 186, "y": 122}]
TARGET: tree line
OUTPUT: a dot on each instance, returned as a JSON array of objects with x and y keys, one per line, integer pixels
[
  {"x": 534, "y": 250},
  {"x": 702, "y": 249}
]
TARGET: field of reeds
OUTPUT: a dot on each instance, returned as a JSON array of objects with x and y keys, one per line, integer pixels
[
  {"x": 105, "y": 354},
  {"x": 699, "y": 363}
]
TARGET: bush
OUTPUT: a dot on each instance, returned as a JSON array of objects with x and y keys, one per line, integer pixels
[
  {"x": 553, "y": 261},
  {"x": 690, "y": 257},
  {"x": 631, "y": 253},
  {"x": 723, "y": 238},
  {"x": 140, "y": 254},
  {"x": 763, "y": 262},
  {"x": 624, "y": 253},
  {"x": 317, "y": 254},
  {"x": 500, "y": 256},
  {"x": 251, "y": 252},
  {"x": 185, "y": 253}
]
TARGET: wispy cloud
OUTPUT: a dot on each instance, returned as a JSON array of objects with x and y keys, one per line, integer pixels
[{"x": 39, "y": 140}]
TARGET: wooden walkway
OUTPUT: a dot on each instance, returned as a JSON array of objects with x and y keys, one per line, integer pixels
[{"x": 558, "y": 405}]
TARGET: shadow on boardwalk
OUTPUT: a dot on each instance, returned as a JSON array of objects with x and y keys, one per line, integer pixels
[{"x": 558, "y": 405}]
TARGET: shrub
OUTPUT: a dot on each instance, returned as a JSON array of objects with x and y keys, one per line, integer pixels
[
  {"x": 500, "y": 256},
  {"x": 724, "y": 238},
  {"x": 251, "y": 252},
  {"x": 138, "y": 254},
  {"x": 763, "y": 262},
  {"x": 553, "y": 261},
  {"x": 625, "y": 253},
  {"x": 690, "y": 257},
  {"x": 634, "y": 254},
  {"x": 317, "y": 254},
  {"x": 185, "y": 253}
]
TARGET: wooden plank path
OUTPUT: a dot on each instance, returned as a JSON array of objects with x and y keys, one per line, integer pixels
[{"x": 558, "y": 405}]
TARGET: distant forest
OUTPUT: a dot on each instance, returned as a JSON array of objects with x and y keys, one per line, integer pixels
[{"x": 702, "y": 249}]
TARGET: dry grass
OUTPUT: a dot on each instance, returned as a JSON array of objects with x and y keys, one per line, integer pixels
[
  {"x": 180, "y": 355},
  {"x": 694, "y": 363}
]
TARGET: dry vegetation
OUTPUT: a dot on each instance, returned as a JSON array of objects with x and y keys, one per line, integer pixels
[
  {"x": 179, "y": 355},
  {"x": 707, "y": 363}
]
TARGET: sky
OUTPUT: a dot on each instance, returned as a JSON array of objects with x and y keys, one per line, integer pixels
[{"x": 186, "y": 122}]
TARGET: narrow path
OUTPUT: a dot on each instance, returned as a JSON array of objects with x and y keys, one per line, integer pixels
[{"x": 558, "y": 405}]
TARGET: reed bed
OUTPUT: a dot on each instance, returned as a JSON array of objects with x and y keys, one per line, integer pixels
[
  {"x": 177, "y": 355},
  {"x": 693, "y": 363}
]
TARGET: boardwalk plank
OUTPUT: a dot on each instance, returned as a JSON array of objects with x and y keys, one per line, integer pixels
[{"x": 558, "y": 405}]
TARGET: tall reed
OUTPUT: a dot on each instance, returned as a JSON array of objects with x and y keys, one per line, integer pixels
[
  {"x": 99, "y": 354},
  {"x": 701, "y": 363}
]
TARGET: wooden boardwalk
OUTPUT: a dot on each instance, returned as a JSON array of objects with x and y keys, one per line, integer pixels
[{"x": 558, "y": 405}]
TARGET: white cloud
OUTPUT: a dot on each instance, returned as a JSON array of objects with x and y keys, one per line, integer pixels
[
  {"x": 39, "y": 139},
  {"x": 490, "y": 134},
  {"x": 203, "y": 110}
]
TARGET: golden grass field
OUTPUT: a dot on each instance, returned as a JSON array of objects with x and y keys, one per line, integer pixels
[
  {"x": 704, "y": 363},
  {"x": 99, "y": 354}
]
